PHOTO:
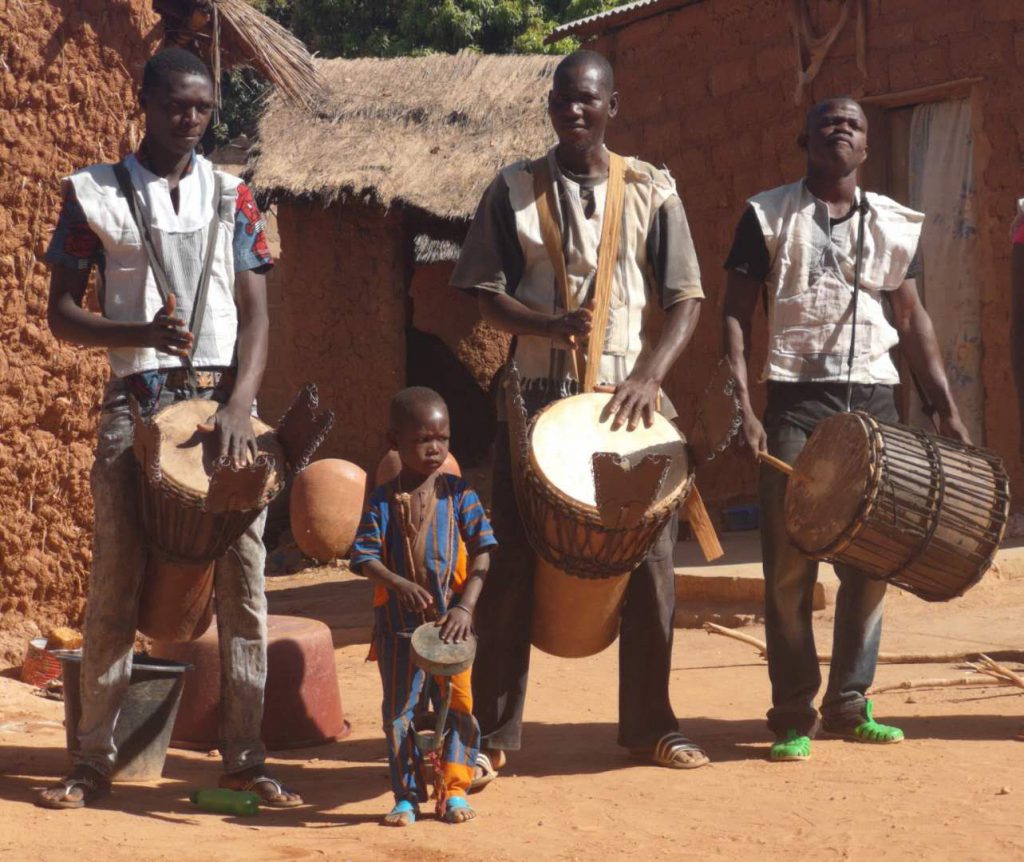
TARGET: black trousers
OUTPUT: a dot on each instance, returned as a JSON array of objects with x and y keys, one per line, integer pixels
[{"x": 504, "y": 614}]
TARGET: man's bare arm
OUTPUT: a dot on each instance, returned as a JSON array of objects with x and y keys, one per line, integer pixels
[{"x": 741, "y": 295}]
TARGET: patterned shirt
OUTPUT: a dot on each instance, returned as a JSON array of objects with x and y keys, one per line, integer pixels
[
  {"x": 458, "y": 531},
  {"x": 76, "y": 246}
]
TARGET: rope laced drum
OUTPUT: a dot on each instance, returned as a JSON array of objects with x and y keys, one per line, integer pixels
[
  {"x": 593, "y": 501},
  {"x": 921, "y": 512},
  {"x": 195, "y": 505}
]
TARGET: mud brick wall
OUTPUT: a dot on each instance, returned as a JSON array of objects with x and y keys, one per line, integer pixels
[
  {"x": 342, "y": 276},
  {"x": 708, "y": 90},
  {"x": 69, "y": 70}
]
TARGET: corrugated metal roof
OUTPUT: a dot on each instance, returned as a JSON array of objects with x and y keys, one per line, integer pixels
[{"x": 617, "y": 17}]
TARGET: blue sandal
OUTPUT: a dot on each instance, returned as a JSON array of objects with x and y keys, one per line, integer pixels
[
  {"x": 457, "y": 803},
  {"x": 405, "y": 807}
]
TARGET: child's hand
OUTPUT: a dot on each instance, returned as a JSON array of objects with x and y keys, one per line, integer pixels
[
  {"x": 412, "y": 596},
  {"x": 456, "y": 625}
]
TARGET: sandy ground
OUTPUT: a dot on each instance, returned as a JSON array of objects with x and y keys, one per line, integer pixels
[{"x": 952, "y": 791}]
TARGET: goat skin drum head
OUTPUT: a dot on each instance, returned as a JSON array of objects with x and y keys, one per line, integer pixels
[
  {"x": 325, "y": 507},
  {"x": 568, "y": 433},
  {"x": 391, "y": 465}
]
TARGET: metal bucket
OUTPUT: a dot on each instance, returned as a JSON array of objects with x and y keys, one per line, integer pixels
[{"x": 143, "y": 729}]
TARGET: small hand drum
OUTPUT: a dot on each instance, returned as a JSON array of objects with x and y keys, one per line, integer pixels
[{"x": 435, "y": 656}]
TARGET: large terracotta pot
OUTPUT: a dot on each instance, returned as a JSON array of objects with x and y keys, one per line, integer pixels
[
  {"x": 391, "y": 465},
  {"x": 325, "y": 507}
]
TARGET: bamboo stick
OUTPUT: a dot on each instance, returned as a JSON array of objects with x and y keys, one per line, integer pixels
[{"x": 777, "y": 463}]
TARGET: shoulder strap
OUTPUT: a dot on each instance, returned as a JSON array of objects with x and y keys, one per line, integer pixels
[
  {"x": 124, "y": 180},
  {"x": 199, "y": 306},
  {"x": 551, "y": 235},
  {"x": 607, "y": 258}
]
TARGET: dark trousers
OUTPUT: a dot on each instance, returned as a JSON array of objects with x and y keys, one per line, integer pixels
[{"x": 505, "y": 611}]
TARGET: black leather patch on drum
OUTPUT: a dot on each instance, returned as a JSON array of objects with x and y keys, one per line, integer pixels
[{"x": 625, "y": 491}]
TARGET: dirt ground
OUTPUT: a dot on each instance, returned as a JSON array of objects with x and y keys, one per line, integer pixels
[{"x": 952, "y": 791}]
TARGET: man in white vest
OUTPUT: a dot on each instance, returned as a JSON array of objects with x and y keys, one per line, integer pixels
[
  {"x": 505, "y": 262},
  {"x": 179, "y": 199},
  {"x": 797, "y": 246}
]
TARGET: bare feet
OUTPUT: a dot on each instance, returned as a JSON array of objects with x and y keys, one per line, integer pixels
[
  {"x": 403, "y": 814},
  {"x": 458, "y": 810},
  {"x": 488, "y": 762}
]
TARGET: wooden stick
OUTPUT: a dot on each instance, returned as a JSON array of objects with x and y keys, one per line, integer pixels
[
  {"x": 886, "y": 658},
  {"x": 939, "y": 683},
  {"x": 777, "y": 463},
  {"x": 696, "y": 513},
  {"x": 986, "y": 666}
]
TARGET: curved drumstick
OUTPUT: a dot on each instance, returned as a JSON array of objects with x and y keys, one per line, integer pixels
[{"x": 777, "y": 463}]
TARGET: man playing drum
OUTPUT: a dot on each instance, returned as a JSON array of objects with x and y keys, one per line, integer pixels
[
  {"x": 798, "y": 245},
  {"x": 506, "y": 263},
  {"x": 148, "y": 347}
]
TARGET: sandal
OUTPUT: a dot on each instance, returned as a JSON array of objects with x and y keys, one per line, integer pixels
[
  {"x": 271, "y": 792},
  {"x": 405, "y": 809},
  {"x": 868, "y": 730},
  {"x": 457, "y": 810},
  {"x": 93, "y": 785},
  {"x": 675, "y": 751},
  {"x": 485, "y": 775},
  {"x": 792, "y": 747}
]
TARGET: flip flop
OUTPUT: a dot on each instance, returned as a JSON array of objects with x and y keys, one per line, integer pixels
[
  {"x": 260, "y": 785},
  {"x": 674, "y": 751},
  {"x": 457, "y": 803},
  {"x": 93, "y": 786},
  {"x": 404, "y": 807},
  {"x": 487, "y": 773}
]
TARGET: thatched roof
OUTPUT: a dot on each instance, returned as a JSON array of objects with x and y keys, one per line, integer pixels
[{"x": 426, "y": 132}]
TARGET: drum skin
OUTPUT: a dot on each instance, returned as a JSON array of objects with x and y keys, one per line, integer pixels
[
  {"x": 575, "y": 617},
  {"x": 921, "y": 512},
  {"x": 325, "y": 507},
  {"x": 302, "y": 702},
  {"x": 391, "y": 465},
  {"x": 437, "y": 657}
]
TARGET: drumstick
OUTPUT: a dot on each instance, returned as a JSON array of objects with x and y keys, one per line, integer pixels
[{"x": 777, "y": 463}]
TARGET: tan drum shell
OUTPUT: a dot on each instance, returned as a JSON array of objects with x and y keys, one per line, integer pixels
[
  {"x": 921, "y": 512},
  {"x": 575, "y": 617}
]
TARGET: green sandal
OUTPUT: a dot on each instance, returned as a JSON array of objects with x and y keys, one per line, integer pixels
[
  {"x": 869, "y": 730},
  {"x": 792, "y": 747}
]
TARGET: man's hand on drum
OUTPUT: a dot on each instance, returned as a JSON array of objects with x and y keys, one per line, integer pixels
[
  {"x": 953, "y": 426},
  {"x": 237, "y": 442},
  {"x": 411, "y": 595},
  {"x": 635, "y": 399},
  {"x": 167, "y": 333},
  {"x": 570, "y": 329},
  {"x": 456, "y": 625}
]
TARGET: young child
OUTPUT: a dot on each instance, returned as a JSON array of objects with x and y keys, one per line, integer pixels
[{"x": 450, "y": 539}]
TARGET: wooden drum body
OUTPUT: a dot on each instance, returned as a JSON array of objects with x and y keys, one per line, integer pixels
[
  {"x": 923, "y": 513},
  {"x": 593, "y": 501},
  {"x": 195, "y": 505}
]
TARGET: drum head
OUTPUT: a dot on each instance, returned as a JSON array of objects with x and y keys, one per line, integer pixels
[
  {"x": 566, "y": 435},
  {"x": 831, "y": 479},
  {"x": 187, "y": 457},
  {"x": 434, "y": 655}
]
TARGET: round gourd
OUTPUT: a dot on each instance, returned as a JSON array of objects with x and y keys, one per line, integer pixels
[{"x": 325, "y": 507}]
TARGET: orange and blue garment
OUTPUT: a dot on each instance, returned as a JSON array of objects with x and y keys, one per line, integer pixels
[{"x": 458, "y": 531}]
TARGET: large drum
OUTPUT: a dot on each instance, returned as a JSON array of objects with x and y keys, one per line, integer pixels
[
  {"x": 195, "y": 505},
  {"x": 593, "y": 502},
  {"x": 923, "y": 513}
]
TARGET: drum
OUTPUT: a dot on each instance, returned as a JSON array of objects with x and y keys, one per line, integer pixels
[
  {"x": 195, "y": 505},
  {"x": 435, "y": 656},
  {"x": 593, "y": 501},
  {"x": 923, "y": 513}
]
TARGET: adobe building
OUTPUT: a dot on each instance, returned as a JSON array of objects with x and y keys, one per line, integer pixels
[
  {"x": 717, "y": 90},
  {"x": 373, "y": 196}
]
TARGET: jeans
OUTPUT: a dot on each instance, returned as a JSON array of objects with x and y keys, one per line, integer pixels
[
  {"x": 789, "y": 588},
  {"x": 119, "y": 563},
  {"x": 504, "y": 614}
]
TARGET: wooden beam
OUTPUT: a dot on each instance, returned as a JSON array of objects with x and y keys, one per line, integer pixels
[{"x": 958, "y": 89}]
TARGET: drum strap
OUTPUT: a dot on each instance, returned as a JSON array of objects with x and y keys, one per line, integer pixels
[
  {"x": 608, "y": 255},
  {"x": 858, "y": 263},
  {"x": 163, "y": 283}
]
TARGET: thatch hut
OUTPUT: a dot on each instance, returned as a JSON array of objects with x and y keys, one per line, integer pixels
[{"x": 373, "y": 195}]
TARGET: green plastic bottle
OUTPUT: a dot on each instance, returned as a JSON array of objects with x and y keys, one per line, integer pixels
[{"x": 224, "y": 801}]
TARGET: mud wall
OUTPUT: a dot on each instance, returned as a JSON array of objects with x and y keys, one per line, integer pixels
[
  {"x": 725, "y": 122},
  {"x": 340, "y": 302},
  {"x": 68, "y": 75}
]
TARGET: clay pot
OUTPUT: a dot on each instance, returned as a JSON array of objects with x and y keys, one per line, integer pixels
[
  {"x": 325, "y": 507},
  {"x": 391, "y": 465}
]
